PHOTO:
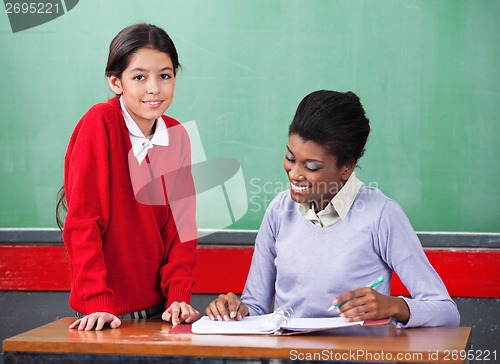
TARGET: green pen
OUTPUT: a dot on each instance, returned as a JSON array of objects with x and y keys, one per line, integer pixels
[{"x": 371, "y": 285}]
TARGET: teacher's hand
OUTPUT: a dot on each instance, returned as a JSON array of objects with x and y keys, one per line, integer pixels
[
  {"x": 226, "y": 307},
  {"x": 367, "y": 304}
]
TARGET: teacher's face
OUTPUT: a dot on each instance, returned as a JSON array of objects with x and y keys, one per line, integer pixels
[{"x": 313, "y": 172}]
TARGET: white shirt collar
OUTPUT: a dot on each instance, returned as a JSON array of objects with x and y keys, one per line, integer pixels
[
  {"x": 140, "y": 143},
  {"x": 337, "y": 208},
  {"x": 344, "y": 199}
]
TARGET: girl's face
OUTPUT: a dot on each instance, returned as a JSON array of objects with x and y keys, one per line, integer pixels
[
  {"x": 146, "y": 86},
  {"x": 313, "y": 172}
]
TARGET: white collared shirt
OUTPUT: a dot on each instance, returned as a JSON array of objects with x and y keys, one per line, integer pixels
[
  {"x": 140, "y": 143},
  {"x": 337, "y": 208}
]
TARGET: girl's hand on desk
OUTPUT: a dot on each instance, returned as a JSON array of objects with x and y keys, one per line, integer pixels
[
  {"x": 368, "y": 304},
  {"x": 97, "y": 320},
  {"x": 180, "y": 312},
  {"x": 226, "y": 307}
]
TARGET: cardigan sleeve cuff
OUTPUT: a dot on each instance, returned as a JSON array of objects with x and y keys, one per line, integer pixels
[
  {"x": 427, "y": 314},
  {"x": 414, "y": 314},
  {"x": 99, "y": 303},
  {"x": 178, "y": 294}
]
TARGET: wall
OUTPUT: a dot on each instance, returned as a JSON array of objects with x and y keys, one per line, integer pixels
[{"x": 426, "y": 73}]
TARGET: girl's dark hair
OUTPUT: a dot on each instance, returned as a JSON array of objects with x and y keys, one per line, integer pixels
[
  {"x": 129, "y": 40},
  {"x": 61, "y": 207},
  {"x": 126, "y": 43},
  {"x": 335, "y": 120}
]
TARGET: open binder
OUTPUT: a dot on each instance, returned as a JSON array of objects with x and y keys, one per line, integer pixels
[{"x": 279, "y": 322}]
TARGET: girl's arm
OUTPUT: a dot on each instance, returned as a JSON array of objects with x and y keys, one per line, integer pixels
[
  {"x": 86, "y": 185},
  {"x": 180, "y": 231}
]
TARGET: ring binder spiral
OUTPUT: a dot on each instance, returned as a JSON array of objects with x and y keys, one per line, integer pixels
[
  {"x": 286, "y": 312},
  {"x": 283, "y": 315}
]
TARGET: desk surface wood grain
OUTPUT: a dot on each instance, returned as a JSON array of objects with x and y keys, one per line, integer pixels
[{"x": 154, "y": 337}]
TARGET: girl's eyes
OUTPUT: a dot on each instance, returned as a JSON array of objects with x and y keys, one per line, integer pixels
[{"x": 163, "y": 76}]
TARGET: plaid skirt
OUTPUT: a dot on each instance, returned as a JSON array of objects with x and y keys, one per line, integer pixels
[{"x": 148, "y": 313}]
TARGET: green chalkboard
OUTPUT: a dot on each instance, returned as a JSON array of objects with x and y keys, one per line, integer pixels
[{"x": 427, "y": 73}]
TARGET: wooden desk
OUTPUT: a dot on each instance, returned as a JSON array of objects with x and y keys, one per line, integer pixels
[{"x": 150, "y": 341}]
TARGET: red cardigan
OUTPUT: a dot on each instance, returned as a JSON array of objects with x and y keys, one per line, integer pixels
[{"x": 125, "y": 254}]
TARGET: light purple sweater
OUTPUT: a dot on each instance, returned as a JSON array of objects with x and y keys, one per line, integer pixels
[{"x": 305, "y": 266}]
